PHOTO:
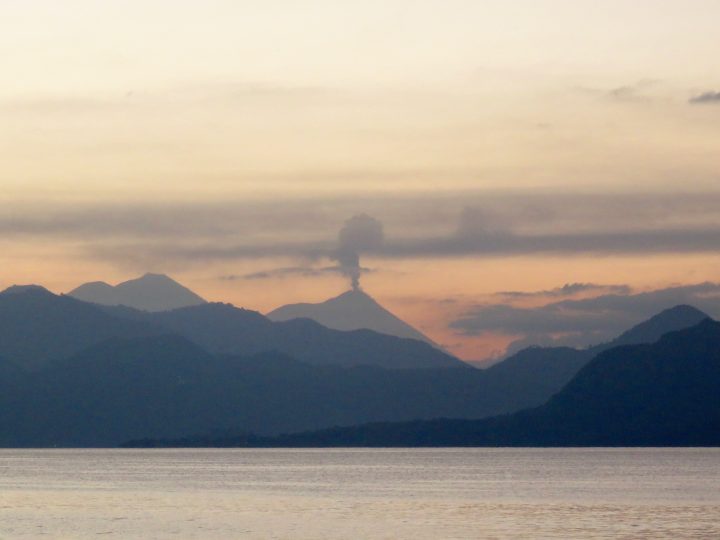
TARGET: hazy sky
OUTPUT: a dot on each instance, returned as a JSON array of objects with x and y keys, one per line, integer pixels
[{"x": 503, "y": 146}]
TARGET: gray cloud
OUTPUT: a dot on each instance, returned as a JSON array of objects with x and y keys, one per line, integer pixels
[
  {"x": 454, "y": 224},
  {"x": 454, "y": 213},
  {"x": 634, "y": 92},
  {"x": 578, "y": 341},
  {"x": 707, "y": 98},
  {"x": 498, "y": 245},
  {"x": 569, "y": 289},
  {"x": 288, "y": 271},
  {"x": 175, "y": 97},
  {"x": 291, "y": 271},
  {"x": 473, "y": 222},
  {"x": 585, "y": 321},
  {"x": 511, "y": 244}
]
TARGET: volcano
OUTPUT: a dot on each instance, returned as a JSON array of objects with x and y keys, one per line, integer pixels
[{"x": 352, "y": 310}]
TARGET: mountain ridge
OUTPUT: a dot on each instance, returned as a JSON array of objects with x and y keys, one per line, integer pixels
[
  {"x": 149, "y": 292},
  {"x": 38, "y": 327},
  {"x": 553, "y": 367},
  {"x": 674, "y": 318},
  {"x": 352, "y": 310},
  {"x": 226, "y": 329},
  {"x": 660, "y": 394}
]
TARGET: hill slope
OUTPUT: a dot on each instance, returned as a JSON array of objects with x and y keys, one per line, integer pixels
[
  {"x": 352, "y": 310},
  {"x": 165, "y": 386},
  {"x": 553, "y": 367},
  {"x": 225, "y": 329},
  {"x": 151, "y": 292},
  {"x": 38, "y": 327},
  {"x": 663, "y": 394},
  {"x": 669, "y": 320}
]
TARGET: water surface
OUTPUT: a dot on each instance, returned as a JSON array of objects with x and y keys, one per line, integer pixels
[{"x": 358, "y": 493}]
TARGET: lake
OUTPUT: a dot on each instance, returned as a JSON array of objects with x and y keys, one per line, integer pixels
[{"x": 358, "y": 493}]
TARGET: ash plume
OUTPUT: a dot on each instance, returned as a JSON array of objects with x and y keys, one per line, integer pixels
[{"x": 361, "y": 233}]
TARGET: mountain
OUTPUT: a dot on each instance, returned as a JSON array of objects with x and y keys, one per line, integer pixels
[
  {"x": 553, "y": 367},
  {"x": 38, "y": 327},
  {"x": 352, "y": 310},
  {"x": 80, "y": 374},
  {"x": 669, "y": 320},
  {"x": 10, "y": 374},
  {"x": 114, "y": 387},
  {"x": 663, "y": 394},
  {"x": 225, "y": 329},
  {"x": 541, "y": 371},
  {"x": 151, "y": 292},
  {"x": 166, "y": 386}
]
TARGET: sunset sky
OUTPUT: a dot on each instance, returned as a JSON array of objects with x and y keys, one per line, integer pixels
[{"x": 508, "y": 149}]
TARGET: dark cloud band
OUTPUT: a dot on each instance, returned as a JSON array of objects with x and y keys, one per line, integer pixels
[
  {"x": 430, "y": 225},
  {"x": 706, "y": 98},
  {"x": 581, "y": 322}
]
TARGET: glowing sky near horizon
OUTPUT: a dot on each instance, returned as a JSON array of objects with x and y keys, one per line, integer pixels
[{"x": 175, "y": 136}]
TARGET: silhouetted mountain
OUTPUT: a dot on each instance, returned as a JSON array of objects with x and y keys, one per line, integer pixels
[
  {"x": 166, "y": 386},
  {"x": 20, "y": 289},
  {"x": 663, "y": 394},
  {"x": 10, "y": 373},
  {"x": 118, "y": 386},
  {"x": 225, "y": 329},
  {"x": 542, "y": 371},
  {"x": 151, "y": 292},
  {"x": 13, "y": 384},
  {"x": 669, "y": 320},
  {"x": 552, "y": 367},
  {"x": 352, "y": 310},
  {"x": 99, "y": 375},
  {"x": 37, "y": 326}
]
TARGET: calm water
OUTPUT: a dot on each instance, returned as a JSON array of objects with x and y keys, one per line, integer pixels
[{"x": 418, "y": 494}]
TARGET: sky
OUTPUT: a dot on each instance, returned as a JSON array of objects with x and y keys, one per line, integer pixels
[{"x": 508, "y": 157}]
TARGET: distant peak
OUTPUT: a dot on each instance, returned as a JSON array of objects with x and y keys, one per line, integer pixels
[
  {"x": 20, "y": 289},
  {"x": 354, "y": 292},
  {"x": 150, "y": 275},
  {"x": 354, "y": 309},
  {"x": 672, "y": 319},
  {"x": 682, "y": 309},
  {"x": 96, "y": 285},
  {"x": 149, "y": 292},
  {"x": 353, "y": 295}
]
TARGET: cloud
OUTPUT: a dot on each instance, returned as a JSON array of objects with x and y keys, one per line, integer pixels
[
  {"x": 569, "y": 289},
  {"x": 591, "y": 243},
  {"x": 707, "y": 98},
  {"x": 664, "y": 241},
  {"x": 583, "y": 322},
  {"x": 510, "y": 320},
  {"x": 291, "y": 271},
  {"x": 412, "y": 225},
  {"x": 174, "y": 97},
  {"x": 302, "y": 271},
  {"x": 460, "y": 213},
  {"x": 634, "y": 92},
  {"x": 474, "y": 221},
  {"x": 577, "y": 341}
]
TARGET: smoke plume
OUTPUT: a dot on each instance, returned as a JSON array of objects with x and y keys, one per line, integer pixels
[{"x": 360, "y": 234}]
